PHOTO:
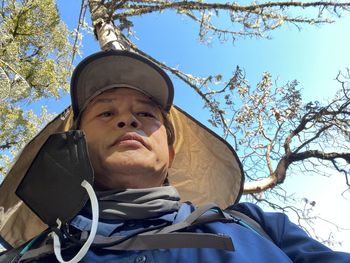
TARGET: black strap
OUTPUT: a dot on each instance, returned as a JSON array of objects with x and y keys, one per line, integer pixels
[
  {"x": 191, "y": 219},
  {"x": 11, "y": 256},
  {"x": 40, "y": 252},
  {"x": 151, "y": 241},
  {"x": 171, "y": 240}
]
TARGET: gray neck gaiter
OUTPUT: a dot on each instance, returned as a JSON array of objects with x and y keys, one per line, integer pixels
[{"x": 138, "y": 203}]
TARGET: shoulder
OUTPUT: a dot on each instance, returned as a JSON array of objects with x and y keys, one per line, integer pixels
[
  {"x": 289, "y": 237},
  {"x": 264, "y": 218},
  {"x": 273, "y": 223},
  {"x": 254, "y": 211}
]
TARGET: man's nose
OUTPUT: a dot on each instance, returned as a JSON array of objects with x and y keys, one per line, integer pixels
[{"x": 128, "y": 120}]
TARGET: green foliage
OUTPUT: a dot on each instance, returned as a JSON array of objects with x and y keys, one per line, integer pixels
[
  {"x": 35, "y": 46},
  {"x": 35, "y": 63}
]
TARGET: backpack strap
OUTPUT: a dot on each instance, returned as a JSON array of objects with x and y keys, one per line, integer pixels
[
  {"x": 15, "y": 255},
  {"x": 197, "y": 216},
  {"x": 248, "y": 222},
  {"x": 148, "y": 242},
  {"x": 171, "y": 240},
  {"x": 11, "y": 255}
]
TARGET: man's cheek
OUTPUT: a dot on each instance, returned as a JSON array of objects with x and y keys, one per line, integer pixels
[{"x": 93, "y": 151}]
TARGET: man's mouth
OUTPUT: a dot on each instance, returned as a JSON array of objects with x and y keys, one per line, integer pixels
[{"x": 130, "y": 137}]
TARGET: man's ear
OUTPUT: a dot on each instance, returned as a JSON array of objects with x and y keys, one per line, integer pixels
[{"x": 171, "y": 151}]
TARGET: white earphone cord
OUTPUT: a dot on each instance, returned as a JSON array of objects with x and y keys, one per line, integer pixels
[{"x": 85, "y": 248}]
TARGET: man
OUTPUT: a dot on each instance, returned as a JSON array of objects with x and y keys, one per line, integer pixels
[
  {"x": 121, "y": 101},
  {"x": 127, "y": 140}
]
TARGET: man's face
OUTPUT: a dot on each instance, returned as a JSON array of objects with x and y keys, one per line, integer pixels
[{"x": 127, "y": 140}]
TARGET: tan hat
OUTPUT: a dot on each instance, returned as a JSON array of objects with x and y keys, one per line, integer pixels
[{"x": 205, "y": 168}]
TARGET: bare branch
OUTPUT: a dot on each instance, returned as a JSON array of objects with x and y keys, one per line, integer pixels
[
  {"x": 83, "y": 8},
  {"x": 307, "y": 142},
  {"x": 194, "y": 5},
  {"x": 320, "y": 155}
]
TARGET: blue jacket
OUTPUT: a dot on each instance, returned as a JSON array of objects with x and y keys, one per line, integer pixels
[{"x": 291, "y": 244}]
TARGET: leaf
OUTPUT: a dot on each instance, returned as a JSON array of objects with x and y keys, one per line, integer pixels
[{"x": 4, "y": 85}]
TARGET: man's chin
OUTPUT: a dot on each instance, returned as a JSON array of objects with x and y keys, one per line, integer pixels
[
  {"x": 129, "y": 151},
  {"x": 124, "y": 179},
  {"x": 130, "y": 166}
]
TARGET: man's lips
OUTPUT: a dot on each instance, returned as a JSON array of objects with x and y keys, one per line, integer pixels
[{"x": 130, "y": 136}]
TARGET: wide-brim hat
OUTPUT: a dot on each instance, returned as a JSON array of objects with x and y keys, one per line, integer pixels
[{"x": 205, "y": 168}]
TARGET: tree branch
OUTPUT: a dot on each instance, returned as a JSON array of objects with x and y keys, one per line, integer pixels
[
  {"x": 317, "y": 135},
  {"x": 320, "y": 155},
  {"x": 194, "y": 5}
]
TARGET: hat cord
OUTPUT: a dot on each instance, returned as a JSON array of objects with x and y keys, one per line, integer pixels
[{"x": 85, "y": 248}]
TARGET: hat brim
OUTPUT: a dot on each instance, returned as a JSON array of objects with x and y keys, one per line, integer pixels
[{"x": 205, "y": 169}]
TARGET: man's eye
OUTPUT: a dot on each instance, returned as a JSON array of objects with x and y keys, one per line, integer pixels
[
  {"x": 146, "y": 114},
  {"x": 106, "y": 114}
]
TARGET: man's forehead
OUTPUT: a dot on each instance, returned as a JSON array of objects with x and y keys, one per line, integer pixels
[{"x": 113, "y": 95}]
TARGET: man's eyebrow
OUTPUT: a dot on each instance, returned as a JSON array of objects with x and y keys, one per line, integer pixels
[
  {"x": 100, "y": 100},
  {"x": 149, "y": 102}
]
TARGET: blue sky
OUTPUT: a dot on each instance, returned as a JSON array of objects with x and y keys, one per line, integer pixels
[{"x": 313, "y": 56}]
